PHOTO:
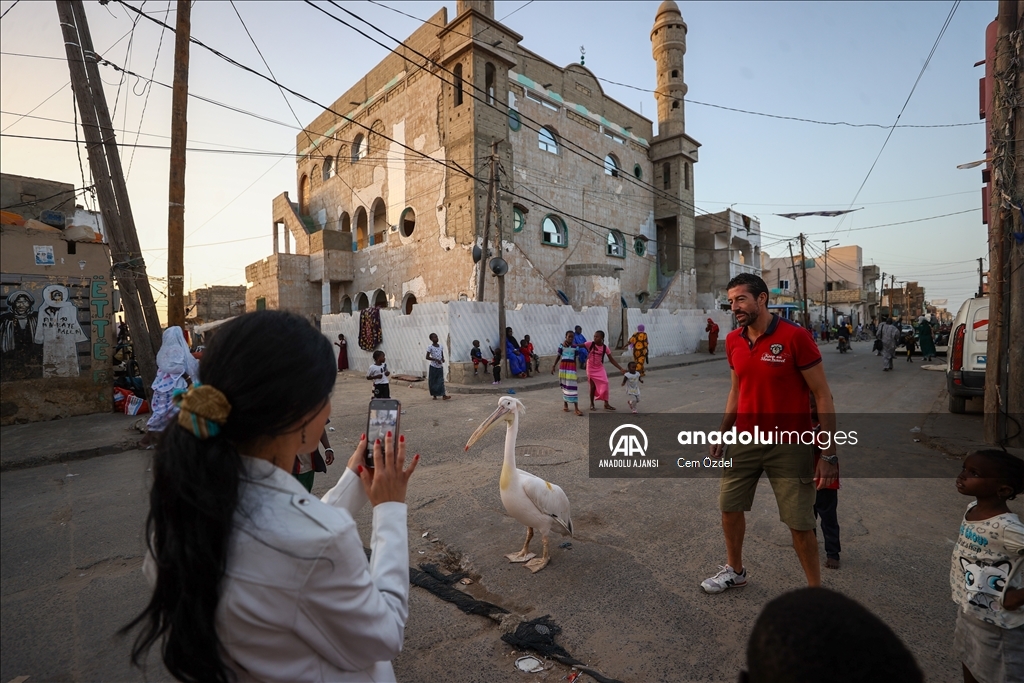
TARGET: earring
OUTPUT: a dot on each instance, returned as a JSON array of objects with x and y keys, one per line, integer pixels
[{"x": 303, "y": 435}]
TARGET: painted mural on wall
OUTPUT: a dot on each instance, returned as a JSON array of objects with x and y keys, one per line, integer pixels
[{"x": 44, "y": 328}]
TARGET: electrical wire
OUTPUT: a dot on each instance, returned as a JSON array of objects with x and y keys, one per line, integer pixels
[
  {"x": 924, "y": 67},
  {"x": 17, "y": 1},
  {"x": 148, "y": 89}
]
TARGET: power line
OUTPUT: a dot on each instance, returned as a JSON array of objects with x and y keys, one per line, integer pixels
[
  {"x": 924, "y": 67},
  {"x": 148, "y": 89},
  {"x": 17, "y": 1}
]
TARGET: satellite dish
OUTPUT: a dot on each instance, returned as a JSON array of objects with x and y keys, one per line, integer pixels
[
  {"x": 499, "y": 266},
  {"x": 477, "y": 254}
]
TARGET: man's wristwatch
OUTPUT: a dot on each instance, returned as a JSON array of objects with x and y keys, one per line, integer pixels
[{"x": 831, "y": 459}]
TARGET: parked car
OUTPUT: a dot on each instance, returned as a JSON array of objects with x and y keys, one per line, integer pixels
[{"x": 967, "y": 355}]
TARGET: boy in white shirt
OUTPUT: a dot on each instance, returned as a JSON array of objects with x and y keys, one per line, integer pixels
[{"x": 379, "y": 374}]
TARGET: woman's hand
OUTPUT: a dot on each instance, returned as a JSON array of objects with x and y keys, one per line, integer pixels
[{"x": 388, "y": 481}]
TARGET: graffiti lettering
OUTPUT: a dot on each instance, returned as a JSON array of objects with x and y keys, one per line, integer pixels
[{"x": 100, "y": 299}]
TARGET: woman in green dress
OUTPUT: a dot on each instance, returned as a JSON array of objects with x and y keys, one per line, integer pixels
[{"x": 926, "y": 340}]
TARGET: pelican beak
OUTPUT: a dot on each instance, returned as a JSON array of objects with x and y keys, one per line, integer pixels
[{"x": 487, "y": 425}]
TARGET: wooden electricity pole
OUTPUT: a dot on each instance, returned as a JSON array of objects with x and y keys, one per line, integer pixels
[
  {"x": 796, "y": 279},
  {"x": 482, "y": 272},
  {"x": 176, "y": 195},
  {"x": 129, "y": 269},
  {"x": 803, "y": 268},
  {"x": 1004, "y": 374},
  {"x": 494, "y": 210}
]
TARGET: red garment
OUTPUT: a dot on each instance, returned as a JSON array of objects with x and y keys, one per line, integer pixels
[
  {"x": 527, "y": 350},
  {"x": 772, "y": 392},
  {"x": 342, "y": 355},
  {"x": 712, "y": 330}
]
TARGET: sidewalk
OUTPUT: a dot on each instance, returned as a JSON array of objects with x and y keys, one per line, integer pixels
[
  {"x": 73, "y": 438},
  {"x": 545, "y": 380}
]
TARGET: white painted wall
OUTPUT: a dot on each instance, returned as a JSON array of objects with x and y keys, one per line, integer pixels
[
  {"x": 457, "y": 324},
  {"x": 678, "y": 332}
]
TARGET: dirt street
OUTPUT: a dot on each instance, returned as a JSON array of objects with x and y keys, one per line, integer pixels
[{"x": 626, "y": 594}]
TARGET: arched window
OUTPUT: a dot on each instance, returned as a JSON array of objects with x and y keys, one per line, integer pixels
[
  {"x": 304, "y": 196},
  {"x": 376, "y": 143},
  {"x": 611, "y": 166},
  {"x": 638, "y": 172},
  {"x": 362, "y": 233},
  {"x": 408, "y": 301},
  {"x": 346, "y": 304},
  {"x": 518, "y": 219},
  {"x": 640, "y": 245},
  {"x": 675, "y": 73},
  {"x": 686, "y": 175},
  {"x": 380, "y": 221},
  {"x": 489, "y": 82},
  {"x": 514, "y": 120},
  {"x": 380, "y": 299},
  {"x": 315, "y": 178},
  {"x": 328, "y": 168},
  {"x": 458, "y": 84},
  {"x": 547, "y": 141},
  {"x": 666, "y": 175},
  {"x": 407, "y": 223},
  {"x": 345, "y": 222},
  {"x": 616, "y": 244},
  {"x": 554, "y": 232},
  {"x": 675, "y": 104},
  {"x": 362, "y": 301},
  {"x": 359, "y": 148}
]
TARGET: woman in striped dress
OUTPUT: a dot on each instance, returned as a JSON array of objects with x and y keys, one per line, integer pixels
[{"x": 566, "y": 366}]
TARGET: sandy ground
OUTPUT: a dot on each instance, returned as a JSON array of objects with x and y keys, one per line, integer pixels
[{"x": 626, "y": 594}]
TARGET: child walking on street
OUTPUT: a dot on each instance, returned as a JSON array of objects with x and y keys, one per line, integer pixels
[
  {"x": 496, "y": 365},
  {"x": 378, "y": 373},
  {"x": 985, "y": 573},
  {"x": 477, "y": 356},
  {"x": 632, "y": 381}
]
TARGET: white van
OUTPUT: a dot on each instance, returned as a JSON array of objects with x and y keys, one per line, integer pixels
[{"x": 967, "y": 353}]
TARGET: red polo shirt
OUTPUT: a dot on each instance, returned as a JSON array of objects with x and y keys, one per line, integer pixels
[{"x": 773, "y": 393}]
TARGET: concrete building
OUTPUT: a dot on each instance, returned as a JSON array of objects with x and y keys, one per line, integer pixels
[
  {"x": 214, "y": 303},
  {"x": 593, "y": 209},
  {"x": 851, "y": 285},
  {"x": 728, "y": 243},
  {"x": 57, "y": 306},
  {"x": 906, "y": 302}
]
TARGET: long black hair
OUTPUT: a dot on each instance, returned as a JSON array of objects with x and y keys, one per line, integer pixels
[{"x": 274, "y": 369}]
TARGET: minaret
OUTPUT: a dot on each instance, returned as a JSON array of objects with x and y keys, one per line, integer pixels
[
  {"x": 673, "y": 153},
  {"x": 668, "y": 43}
]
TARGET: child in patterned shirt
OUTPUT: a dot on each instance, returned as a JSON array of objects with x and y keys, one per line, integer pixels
[{"x": 985, "y": 574}]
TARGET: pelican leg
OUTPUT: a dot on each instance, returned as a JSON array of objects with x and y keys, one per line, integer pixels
[
  {"x": 524, "y": 554},
  {"x": 538, "y": 563}
]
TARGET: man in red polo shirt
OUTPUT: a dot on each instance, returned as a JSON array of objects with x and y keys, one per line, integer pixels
[{"x": 776, "y": 366}]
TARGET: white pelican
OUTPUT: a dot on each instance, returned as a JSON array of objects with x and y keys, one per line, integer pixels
[{"x": 531, "y": 501}]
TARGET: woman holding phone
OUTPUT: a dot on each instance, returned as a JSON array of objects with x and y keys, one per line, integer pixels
[{"x": 253, "y": 578}]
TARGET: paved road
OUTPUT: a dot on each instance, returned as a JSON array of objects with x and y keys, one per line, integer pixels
[{"x": 626, "y": 595}]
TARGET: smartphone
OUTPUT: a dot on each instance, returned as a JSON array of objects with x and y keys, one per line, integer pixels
[{"x": 383, "y": 417}]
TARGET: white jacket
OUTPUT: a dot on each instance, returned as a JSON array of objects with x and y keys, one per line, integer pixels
[{"x": 299, "y": 600}]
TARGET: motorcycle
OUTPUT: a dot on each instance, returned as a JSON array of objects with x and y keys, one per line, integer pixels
[{"x": 844, "y": 345}]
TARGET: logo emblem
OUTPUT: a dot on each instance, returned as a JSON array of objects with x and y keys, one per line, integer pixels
[
  {"x": 776, "y": 349},
  {"x": 628, "y": 443}
]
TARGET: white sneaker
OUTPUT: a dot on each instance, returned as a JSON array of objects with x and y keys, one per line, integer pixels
[{"x": 724, "y": 579}]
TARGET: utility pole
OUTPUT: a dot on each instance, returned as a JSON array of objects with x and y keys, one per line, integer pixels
[
  {"x": 487, "y": 236},
  {"x": 981, "y": 277},
  {"x": 803, "y": 267},
  {"x": 176, "y": 194},
  {"x": 796, "y": 279},
  {"x": 129, "y": 268},
  {"x": 892, "y": 288},
  {"x": 828, "y": 320},
  {"x": 495, "y": 210}
]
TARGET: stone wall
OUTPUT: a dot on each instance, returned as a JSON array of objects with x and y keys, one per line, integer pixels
[{"x": 216, "y": 303}]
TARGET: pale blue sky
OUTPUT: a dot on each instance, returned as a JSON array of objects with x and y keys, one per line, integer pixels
[{"x": 852, "y": 62}]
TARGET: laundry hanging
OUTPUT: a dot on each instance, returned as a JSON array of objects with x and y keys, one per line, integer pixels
[{"x": 370, "y": 334}]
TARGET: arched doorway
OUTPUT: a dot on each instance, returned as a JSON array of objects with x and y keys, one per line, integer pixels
[
  {"x": 380, "y": 221},
  {"x": 380, "y": 299},
  {"x": 362, "y": 234},
  {"x": 304, "y": 196},
  {"x": 362, "y": 301},
  {"x": 346, "y": 304}
]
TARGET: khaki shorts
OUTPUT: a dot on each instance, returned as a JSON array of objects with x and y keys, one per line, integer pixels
[{"x": 790, "y": 469}]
